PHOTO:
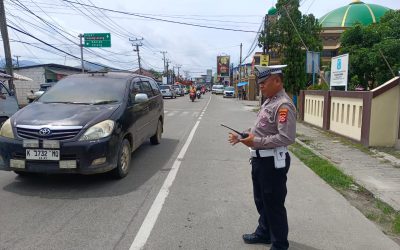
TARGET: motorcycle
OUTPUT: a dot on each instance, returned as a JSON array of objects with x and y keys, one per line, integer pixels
[
  {"x": 198, "y": 93},
  {"x": 192, "y": 96}
]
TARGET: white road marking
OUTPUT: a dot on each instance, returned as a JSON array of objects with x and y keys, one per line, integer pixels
[{"x": 152, "y": 216}]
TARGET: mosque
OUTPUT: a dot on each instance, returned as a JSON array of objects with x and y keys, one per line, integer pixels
[{"x": 338, "y": 20}]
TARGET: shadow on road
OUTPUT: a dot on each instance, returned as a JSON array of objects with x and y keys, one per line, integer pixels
[
  {"x": 299, "y": 246},
  {"x": 146, "y": 161}
]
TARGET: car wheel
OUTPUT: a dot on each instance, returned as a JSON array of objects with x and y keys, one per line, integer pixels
[
  {"x": 124, "y": 159},
  {"x": 156, "y": 138}
]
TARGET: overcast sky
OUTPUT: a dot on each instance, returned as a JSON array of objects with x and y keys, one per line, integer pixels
[{"x": 194, "y": 48}]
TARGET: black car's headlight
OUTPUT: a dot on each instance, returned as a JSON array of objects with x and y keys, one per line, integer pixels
[
  {"x": 6, "y": 130},
  {"x": 98, "y": 131}
]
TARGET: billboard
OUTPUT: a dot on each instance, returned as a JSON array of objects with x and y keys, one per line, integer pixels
[
  {"x": 339, "y": 70},
  {"x": 223, "y": 65}
]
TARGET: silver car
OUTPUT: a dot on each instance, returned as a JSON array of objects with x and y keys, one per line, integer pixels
[{"x": 167, "y": 91}]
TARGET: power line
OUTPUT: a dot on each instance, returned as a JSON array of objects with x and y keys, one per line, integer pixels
[{"x": 159, "y": 19}]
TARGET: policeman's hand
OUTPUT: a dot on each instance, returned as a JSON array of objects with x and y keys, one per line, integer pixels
[
  {"x": 233, "y": 138},
  {"x": 248, "y": 141}
]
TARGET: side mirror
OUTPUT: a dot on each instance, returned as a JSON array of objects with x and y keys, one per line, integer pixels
[
  {"x": 12, "y": 93},
  {"x": 139, "y": 98}
]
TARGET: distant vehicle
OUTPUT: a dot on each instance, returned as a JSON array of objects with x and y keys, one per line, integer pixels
[
  {"x": 43, "y": 88},
  {"x": 179, "y": 90},
  {"x": 229, "y": 92},
  {"x": 8, "y": 103},
  {"x": 86, "y": 124},
  {"x": 167, "y": 91},
  {"x": 217, "y": 89}
]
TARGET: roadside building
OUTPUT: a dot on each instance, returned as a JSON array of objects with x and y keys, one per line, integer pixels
[{"x": 41, "y": 73}]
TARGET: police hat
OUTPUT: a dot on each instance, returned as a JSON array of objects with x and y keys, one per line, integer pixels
[{"x": 263, "y": 73}]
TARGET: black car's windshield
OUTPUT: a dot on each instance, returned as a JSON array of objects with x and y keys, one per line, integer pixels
[{"x": 94, "y": 90}]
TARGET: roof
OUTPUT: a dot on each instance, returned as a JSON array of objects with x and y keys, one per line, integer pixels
[
  {"x": 116, "y": 75},
  {"x": 53, "y": 65},
  {"x": 272, "y": 11},
  {"x": 356, "y": 12}
]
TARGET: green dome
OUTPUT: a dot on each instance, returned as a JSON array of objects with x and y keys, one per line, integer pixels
[
  {"x": 349, "y": 15},
  {"x": 272, "y": 11}
]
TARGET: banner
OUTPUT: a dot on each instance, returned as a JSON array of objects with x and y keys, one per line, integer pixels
[{"x": 223, "y": 65}]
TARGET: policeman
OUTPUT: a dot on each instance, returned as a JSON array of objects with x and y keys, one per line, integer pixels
[{"x": 273, "y": 131}]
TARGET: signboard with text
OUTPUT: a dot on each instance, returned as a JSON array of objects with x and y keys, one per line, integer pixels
[
  {"x": 264, "y": 60},
  {"x": 223, "y": 65},
  {"x": 99, "y": 40},
  {"x": 339, "y": 70}
]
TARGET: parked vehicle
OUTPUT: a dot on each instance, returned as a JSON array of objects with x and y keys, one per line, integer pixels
[
  {"x": 43, "y": 88},
  {"x": 167, "y": 91},
  {"x": 8, "y": 103},
  {"x": 86, "y": 123},
  {"x": 179, "y": 90},
  {"x": 217, "y": 89},
  {"x": 229, "y": 92}
]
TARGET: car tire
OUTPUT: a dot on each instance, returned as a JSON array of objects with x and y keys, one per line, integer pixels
[
  {"x": 156, "y": 138},
  {"x": 124, "y": 159}
]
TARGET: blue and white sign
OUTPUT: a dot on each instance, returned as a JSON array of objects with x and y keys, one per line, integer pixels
[{"x": 339, "y": 70}]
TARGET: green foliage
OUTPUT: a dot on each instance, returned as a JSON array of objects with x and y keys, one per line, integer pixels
[
  {"x": 322, "y": 86},
  {"x": 365, "y": 45},
  {"x": 156, "y": 74},
  {"x": 284, "y": 40}
]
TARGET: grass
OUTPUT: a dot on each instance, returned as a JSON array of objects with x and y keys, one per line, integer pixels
[
  {"x": 326, "y": 170},
  {"x": 374, "y": 209}
]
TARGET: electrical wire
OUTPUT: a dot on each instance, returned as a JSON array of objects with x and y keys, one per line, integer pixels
[{"x": 160, "y": 19}]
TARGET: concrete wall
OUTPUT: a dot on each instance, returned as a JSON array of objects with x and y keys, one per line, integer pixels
[
  {"x": 346, "y": 116},
  {"x": 385, "y": 118},
  {"x": 23, "y": 88},
  {"x": 314, "y": 110}
]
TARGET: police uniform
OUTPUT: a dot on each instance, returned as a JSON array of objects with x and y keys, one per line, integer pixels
[{"x": 274, "y": 130}]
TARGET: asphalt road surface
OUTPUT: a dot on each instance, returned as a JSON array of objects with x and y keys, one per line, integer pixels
[{"x": 193, "y": 191}]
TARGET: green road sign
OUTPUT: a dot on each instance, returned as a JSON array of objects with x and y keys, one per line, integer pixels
[{"x": 93, "y": 40}]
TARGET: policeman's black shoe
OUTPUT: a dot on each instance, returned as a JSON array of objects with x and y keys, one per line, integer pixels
[{"x": 255, "y": 238}]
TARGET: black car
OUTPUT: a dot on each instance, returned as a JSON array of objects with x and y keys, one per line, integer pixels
[{"x": 86, "y": 123}]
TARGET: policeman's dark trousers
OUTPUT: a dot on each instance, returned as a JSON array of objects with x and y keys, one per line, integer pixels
[{"x": 269, "y": 187}]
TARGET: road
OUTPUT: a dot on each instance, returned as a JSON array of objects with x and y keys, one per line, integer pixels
[{"x": 207, "y": 189}]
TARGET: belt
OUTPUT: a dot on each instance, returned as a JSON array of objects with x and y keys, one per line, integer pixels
[{"x": 265, "y": 152}]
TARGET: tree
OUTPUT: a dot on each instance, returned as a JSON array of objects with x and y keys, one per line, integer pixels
[
  {"x": 367, "y": 44},
  {"x": 155, "y": 73},
  {"x": 284, "y": 40}
]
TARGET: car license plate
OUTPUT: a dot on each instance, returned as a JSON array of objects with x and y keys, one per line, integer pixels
[{"x": 43, "y": 154}]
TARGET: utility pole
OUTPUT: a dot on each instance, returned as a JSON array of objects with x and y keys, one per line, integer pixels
[
  {"x": 240, "y": 64},
  {"x": 266, "y": 33},
  {"x": 164, "y": 52},
  {"x": 81, "y": 45},
  {"x": 138, "y": 43},
  {"x": 6, "y": 43},
  {"x": 17, "y": 60},
  {"x": 168, "y": 61},
  {"x": 178, "y": 66}
]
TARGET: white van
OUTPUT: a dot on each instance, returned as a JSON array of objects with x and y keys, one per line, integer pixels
[
  {"x": 217, "y": 89},
  {"x": 8, "y": 103}
]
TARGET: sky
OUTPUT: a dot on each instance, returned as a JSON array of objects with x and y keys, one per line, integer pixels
[{"x": 193, "y": 49}]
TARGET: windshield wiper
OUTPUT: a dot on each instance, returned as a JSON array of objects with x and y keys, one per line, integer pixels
[
  {"x": 84, "y": 103},
  {"x": 104, "y": 102}
]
